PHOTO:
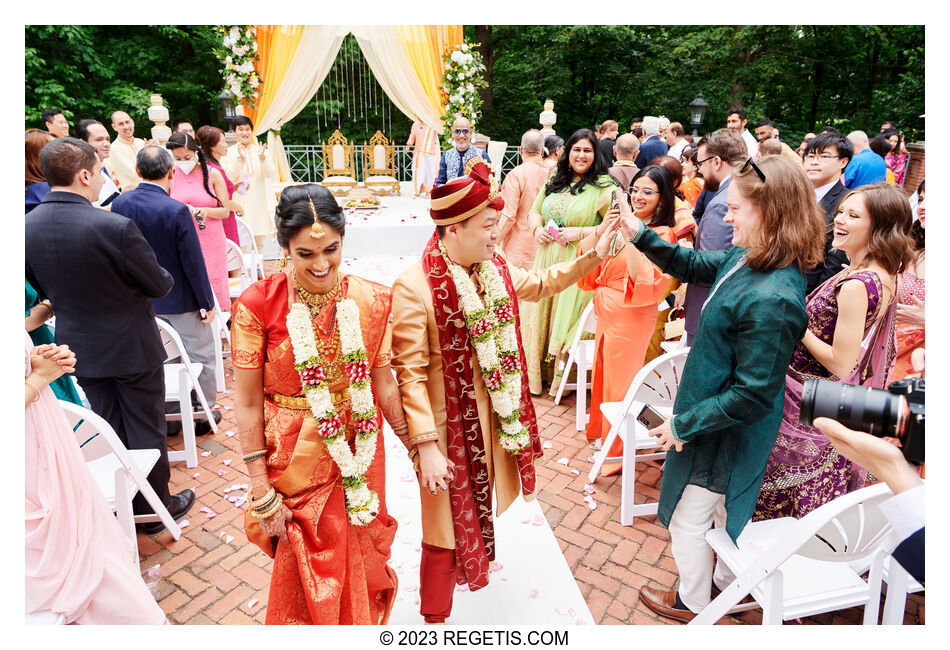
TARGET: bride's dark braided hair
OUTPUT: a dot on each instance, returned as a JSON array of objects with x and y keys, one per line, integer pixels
[{"x": 182, "y": 139}]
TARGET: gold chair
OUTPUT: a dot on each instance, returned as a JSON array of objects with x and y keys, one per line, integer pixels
[
  {"x": 339, "y": 173},
  {"x": 379, "y": 168}
]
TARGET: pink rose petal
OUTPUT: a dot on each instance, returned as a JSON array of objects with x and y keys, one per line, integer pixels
[
  {"x": 563, "y": 460},
  {"x": 546, "y": 444},
  {"x": 498, "y": 566},
  {"x": 581, "y": 621},
  {"x": 575, "y": 472},
  {"x": 196, "y": 475},
  {"x": 226, "y": 461},
  {"x": 183, "y": 523},
  {"x": 534, "y": 592},
  {"x": 206, "y": 453},
  {"x": 221, "y": 472},
  {"x": 589, "y": 489},
  {"x": 538, "y": 520}
]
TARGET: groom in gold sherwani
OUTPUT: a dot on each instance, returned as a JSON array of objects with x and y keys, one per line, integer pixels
[{"x": 454, "y": 432}]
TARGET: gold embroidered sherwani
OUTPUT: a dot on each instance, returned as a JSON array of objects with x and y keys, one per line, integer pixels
[
  {"x": 417, "y": 359},
  {"x": 122, "y": 162},
  {"x": 259, "y": 201}
]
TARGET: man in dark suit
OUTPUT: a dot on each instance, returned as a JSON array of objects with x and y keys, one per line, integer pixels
[
  {"x": 826, "y": 156},
  {"x": 653, "y": 146},
  {"x": 99, "y": 272},
  {"x": 168, "y": 227},
  {"x": 718, "y": 155}
]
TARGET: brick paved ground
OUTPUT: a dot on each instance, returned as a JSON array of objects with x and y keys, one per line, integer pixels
[{"x": 206, "y": 579}]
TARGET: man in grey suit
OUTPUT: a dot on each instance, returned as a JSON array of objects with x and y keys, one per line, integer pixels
[{"x": 720, "y": 153}]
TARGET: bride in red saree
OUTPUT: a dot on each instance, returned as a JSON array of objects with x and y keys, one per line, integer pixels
[{"x": 313, "y": 506}]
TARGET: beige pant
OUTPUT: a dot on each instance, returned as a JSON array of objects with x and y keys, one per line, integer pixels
[{"x": 695, "y": 513}]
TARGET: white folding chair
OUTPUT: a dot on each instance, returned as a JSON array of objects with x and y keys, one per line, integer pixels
[
  {"x": 253, "y": 257},
  {"x": 899, "y": 584},
  {"x": 180, "y": 379},
  {"x": 119, "y": 472},
  {"x": 580, "y": 353},
  {"x": 236, "y": 286},
  {"x": 655, "y": 384},
  {"x": 675, "y": 344},
  {"x": 800, "y": 567},
  {"x": 219, "y": 327}
]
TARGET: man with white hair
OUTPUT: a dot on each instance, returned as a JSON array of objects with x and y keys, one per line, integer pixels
[
  {"x": 866, "y": 168},
  {"x": 519, "y": 191},
  {"x": 664, "y": 125},
  {"x": 624, "y": 169},
  {"x": 653, "y": 146},
  {"x": 452, "y": 164}
]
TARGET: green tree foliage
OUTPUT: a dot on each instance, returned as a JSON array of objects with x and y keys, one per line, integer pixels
[
  {"x": 801, "y": 77},
  {"x": 91, "y": 71}
]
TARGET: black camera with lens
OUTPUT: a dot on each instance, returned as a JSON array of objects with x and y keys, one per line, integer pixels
[{"x": 897, "y": 412}]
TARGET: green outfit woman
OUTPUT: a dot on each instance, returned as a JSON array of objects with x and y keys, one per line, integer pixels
[
  {"x": 63, "y": 387},
  {"x": 576, "y": 198}
]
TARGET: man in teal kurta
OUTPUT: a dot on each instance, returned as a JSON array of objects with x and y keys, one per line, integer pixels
[{"x": 728, "y": 406}]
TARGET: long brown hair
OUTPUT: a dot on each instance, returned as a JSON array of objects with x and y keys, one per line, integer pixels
[
  {"x": 889, "y": 242},
  {"x": 792, "y": 230},
  {"x": 36, "y": 139},
  {"x": 209, "y": 136}
]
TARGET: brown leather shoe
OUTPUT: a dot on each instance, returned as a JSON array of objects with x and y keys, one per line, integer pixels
[{"x": 664, "y": 604}]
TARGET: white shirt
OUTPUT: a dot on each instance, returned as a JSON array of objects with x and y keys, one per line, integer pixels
[
  {"x": 905, "y": 511},
  {"x": 821, "y": 191},
  {"x": 677, "y": 149},
  {"x": 108, "y": 189},
  {"x": 751, "y": 144}
]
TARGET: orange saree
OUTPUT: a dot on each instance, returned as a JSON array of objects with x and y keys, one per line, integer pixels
[
  {"x": 331, "y": 572},
  {"x": 626, "y": 311}
]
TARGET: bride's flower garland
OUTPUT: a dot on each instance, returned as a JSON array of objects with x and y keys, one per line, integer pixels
[
  {"x": 491, "y": 324},
  {"x": 362, "y": 504}
]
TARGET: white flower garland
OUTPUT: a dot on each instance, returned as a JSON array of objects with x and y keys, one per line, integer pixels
[
  {"x": 239, "y": 57},
  {"x": 362, "y": 504},
  {"x": 460, "y": 81},
  {"x": 491, "y": 324}
]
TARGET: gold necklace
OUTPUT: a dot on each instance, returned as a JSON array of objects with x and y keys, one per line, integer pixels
[{"x": 315, "y": 302}]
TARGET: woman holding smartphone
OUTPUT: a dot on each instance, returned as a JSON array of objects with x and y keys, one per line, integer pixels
[{"x": 729, "y": 405}]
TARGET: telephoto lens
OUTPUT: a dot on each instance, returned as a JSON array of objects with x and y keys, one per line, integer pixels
[{"x": 875, "y": 411}]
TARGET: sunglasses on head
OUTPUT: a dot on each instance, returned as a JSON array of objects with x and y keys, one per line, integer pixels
[
  {"x": 461, "y": 131},
  {"x": 755, "y": 168}
]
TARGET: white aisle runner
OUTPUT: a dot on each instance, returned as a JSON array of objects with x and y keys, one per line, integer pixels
[{"x": 531, "y": 585}]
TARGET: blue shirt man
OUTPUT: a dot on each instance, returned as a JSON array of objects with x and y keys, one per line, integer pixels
[
  {"x": 866, "y": 168},
  {"x": 452, "y": 164}
]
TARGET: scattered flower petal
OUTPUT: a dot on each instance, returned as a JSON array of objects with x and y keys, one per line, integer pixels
[
  {"x": 575, "y": 472},
  {"x": 411, "y": 588},
  {"x": 546, "y": 444},
  {"x": 229, "y": 434},
  {"x": 534, "y": 592},
  {"x": 183, "y": 523},
  {"x": 226, "y": 461},
  {"x": 221, "y": 472},
  {"x": 589, "y": 489},
  {"x": 581, "y": 621},
  {"x": 229, "y": 539},
  {"x": 206, "y": 453},
  {"x": 563, "y": 460},
  {"x": 498, "y": 566},
  {"x": 538, "y": 520},
  {"x": 252, "y": 602},
  {"x": 196, "y": 475}
]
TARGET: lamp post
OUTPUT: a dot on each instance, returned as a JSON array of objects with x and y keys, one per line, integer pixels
[
  {"x": 227, "y": 108},
  {"x": 697, "y": 111}
]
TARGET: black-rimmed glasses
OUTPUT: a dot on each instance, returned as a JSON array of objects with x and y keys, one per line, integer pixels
[
  {"x": 700, "y": 162},
  {"x": 755, "y": 168}
]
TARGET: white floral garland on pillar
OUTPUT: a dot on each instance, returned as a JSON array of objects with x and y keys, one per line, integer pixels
[
  {"x": 491, "y": 324},
  {"x": 362, "y": 504}
]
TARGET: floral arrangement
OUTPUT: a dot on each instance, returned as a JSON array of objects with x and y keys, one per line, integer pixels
[
  {"x": 460, "y": 81},
  {"x": 239, "y": 58},
  {"x": 491, "y": 324},
  {"x": 362, "y": 504}
]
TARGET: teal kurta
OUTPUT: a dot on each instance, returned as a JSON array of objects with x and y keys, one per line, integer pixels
[
  {"x": 63, "y": 387},
  {"x": 730, "y": 398}
]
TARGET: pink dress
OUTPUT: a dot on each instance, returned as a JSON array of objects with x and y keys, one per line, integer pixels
[
  {"x": 230, "y": 224},
  {"x": 78, "y": 561},
  {"x": 189, "y": 189}
]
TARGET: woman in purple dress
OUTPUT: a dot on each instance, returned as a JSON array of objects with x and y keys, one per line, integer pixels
[
  {"x": 872, "y": 226},
  {"x": 213, "y": 146}
]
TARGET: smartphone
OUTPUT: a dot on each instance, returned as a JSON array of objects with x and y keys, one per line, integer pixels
[{"x": 650, "y": 418}]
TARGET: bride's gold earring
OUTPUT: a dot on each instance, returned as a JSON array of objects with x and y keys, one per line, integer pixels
[{"x": 283, "y": 261}]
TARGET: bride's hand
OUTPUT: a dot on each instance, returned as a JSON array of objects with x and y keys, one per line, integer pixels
[{"x": 276, "y": 524}]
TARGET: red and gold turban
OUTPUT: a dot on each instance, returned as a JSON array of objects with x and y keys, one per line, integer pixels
[{"x": 466, "y": 195}]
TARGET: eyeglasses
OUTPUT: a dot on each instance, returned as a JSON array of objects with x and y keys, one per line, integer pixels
[
  {"x": 645, "y": 191},
  {"x": 813, "y": 156},
  {"x": 755, "y": 168},
  {"x": 461, "y": 131},
  {"x": 700, "y": 162}
]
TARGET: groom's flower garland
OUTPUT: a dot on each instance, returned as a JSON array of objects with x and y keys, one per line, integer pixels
[
  {"x": 491, "y": 324},
  {"x": 362, "y": 504}
]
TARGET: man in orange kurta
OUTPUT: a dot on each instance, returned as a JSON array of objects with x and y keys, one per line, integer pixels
[
  {"x": 519, "y": 191},
  {"x": 438, "y": 369}
]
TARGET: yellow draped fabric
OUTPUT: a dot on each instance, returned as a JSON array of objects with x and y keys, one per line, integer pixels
[
  {"x": 425, "y": 45},
  {"x": 293, "y": 61}
]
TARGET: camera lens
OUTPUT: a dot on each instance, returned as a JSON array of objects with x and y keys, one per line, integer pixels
[{"x": 877, "y": 412}]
